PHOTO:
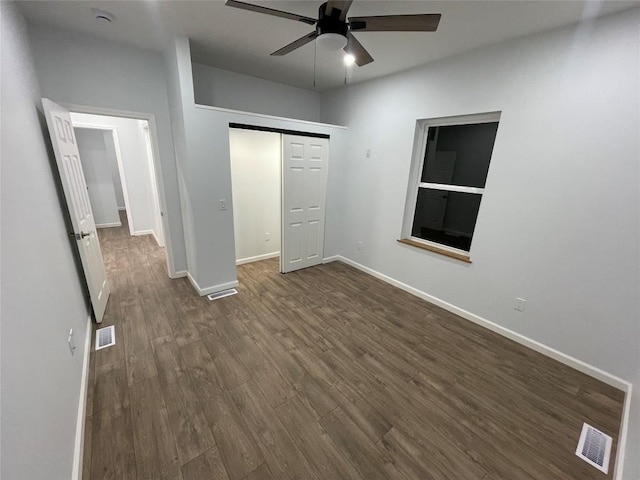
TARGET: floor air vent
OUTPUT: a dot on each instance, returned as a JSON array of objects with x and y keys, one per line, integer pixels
[
  {"x": 222, "y": 294},
  {"x": 594, "y": 447},
  {"x": 105, "y": 337}
]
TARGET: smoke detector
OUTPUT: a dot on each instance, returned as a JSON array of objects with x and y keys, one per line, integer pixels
[{"x": 102, "y": 15}]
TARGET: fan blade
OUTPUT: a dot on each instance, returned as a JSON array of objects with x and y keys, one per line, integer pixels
[
  {"x": 396, "y": 23},
  {"x": 297, "y": 44},
  {"x": 355, "y": 48},
  {"x": 342, "y": 5},
  {"x": 270, "y": 11}
]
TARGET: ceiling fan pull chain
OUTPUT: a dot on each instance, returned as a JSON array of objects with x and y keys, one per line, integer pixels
[{"x": 315, "y": 58}]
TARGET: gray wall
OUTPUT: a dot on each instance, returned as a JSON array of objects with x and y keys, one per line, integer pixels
[
  {"x": 559, "y": 220},
  {"x": 202, "y": 141},
  {"x": 220, "y": 88},
  {"x": 96, "y": 165},
  {"x": 79, "y": 69},
  {"x": 179, "y": 86},
  {"x": 41, "y": 293}
]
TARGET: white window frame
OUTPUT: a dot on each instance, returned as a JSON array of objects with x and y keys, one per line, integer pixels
[{"x": 415, "y": 173}]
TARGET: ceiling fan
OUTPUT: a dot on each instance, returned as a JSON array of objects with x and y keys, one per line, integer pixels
[{"x": 335, "y": 30}]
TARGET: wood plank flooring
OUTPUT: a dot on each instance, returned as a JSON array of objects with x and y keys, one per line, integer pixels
[{"x": 324, "y": 373}]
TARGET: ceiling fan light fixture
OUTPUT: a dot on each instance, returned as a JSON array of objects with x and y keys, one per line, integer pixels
[{"x": 332, "y": 41}]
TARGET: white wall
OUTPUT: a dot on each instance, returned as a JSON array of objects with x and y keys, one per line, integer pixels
[
  {"x": 96, "y": 165},
  {"x": 143, "y": 212},
  {"x": 201, "y": 135},
  {"x": 220, "y": 88},
  {"x": 558, "y": 224},
  {"x": 255, "y": 175},
  {"x": 80, "y": 69},
  {"x": 179, "y": 95},
  {"x": 113, "y": 166},
  {"x": 42, "y": 297}
]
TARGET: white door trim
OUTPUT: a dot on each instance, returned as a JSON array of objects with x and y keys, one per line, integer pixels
[
  {"x": 78, "y": 450},
  {"x": 153, "y": 131},
  {"x": 158, "y": 233}
]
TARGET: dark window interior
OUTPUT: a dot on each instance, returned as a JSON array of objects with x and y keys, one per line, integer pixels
[
  {"x": 459, "y": 154},
  {"x": 448, "y": 218},
  {"x": 456, "y": 156}
]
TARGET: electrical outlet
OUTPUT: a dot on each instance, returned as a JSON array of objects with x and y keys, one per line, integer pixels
[
  {"x": 359, "y": 245},
  {"x": 520, "y": 303},
  {"x": 223, "y": 204},
  {"x": 267, "y": 237},
  {"x": 70, "y": 341}
]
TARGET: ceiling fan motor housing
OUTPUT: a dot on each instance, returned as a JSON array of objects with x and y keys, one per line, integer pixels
[{"x": 330, "y": 23}]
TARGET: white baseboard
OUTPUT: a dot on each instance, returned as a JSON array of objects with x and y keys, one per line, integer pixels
[
  {"x": 579, "y": 365},
  {"x": 214, "y": 289},
  {"x": 143, "y": 232},
  {"x": 257, "y": 258},
  {"x": 108, "y": 225},
  {"x": 568, "y": 360},
  {"x": 180, "y": 274},
  {"x": 78, "y": 449}
]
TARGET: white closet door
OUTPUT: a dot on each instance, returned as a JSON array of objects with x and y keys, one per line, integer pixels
[{"x": 304, "y": 187}]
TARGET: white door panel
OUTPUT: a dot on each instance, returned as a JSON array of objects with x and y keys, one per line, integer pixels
[
  {"x": 304, "y": 167},
  {"x": 314, "y": 187},
  {"x": 294, "y": 253},
  {"x": 313, "y": 247},
  {"x": 77, "y": 198},
  {"x": 296, "y": 189}
]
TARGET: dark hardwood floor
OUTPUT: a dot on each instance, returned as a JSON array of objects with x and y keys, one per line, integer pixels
[{"x": 324, "y": 373}]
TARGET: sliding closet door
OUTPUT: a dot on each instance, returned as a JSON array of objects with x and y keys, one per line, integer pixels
[{"x": 304, "y": 187}]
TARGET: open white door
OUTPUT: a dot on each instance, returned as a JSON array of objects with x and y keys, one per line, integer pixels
[
  {"x": 77, "y": 198},
  {"x": 304, "y": 185}
]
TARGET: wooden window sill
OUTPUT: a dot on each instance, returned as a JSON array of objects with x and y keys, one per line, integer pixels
[{"x": 433, "y": 248}]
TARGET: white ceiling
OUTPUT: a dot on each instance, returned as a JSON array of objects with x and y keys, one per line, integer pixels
[{"x": 241, "y": 41}]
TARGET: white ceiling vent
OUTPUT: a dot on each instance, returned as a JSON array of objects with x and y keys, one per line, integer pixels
[
  {"x": 105, "y": 337},
  {"x": 222, "y": 294},
  {"x": 594, "y": 447}
]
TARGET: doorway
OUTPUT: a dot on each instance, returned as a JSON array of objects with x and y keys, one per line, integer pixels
[
  {"x": 279, "y": 180},
  {"x": 255, "y": 183},
  {"x": 120, "y": 170}
]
